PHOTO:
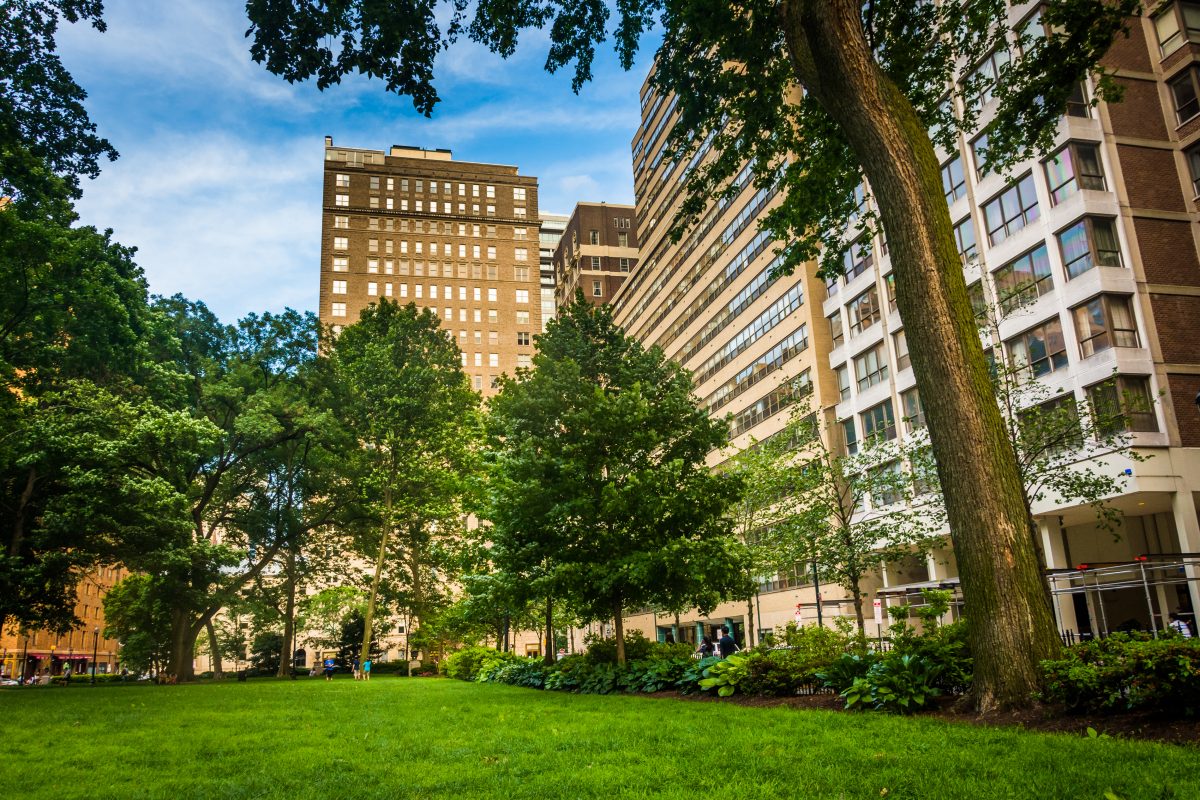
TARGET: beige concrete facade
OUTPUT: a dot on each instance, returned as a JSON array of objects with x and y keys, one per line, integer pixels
[{"x": 458, "y": 238}]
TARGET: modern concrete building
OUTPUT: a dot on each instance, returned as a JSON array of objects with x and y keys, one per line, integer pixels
[
  {"x": 553, "y": 226},
  {"x": 456, "y": 237},
  {"x": 1087, "y": 258},
  {"x": 597, "y": 252},
  {"x": 754, "y": 344}
]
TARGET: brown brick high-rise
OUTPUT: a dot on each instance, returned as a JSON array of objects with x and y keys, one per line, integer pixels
[
  {"x": 456, "y": 237},
  {"x": 598, "y": 250}
]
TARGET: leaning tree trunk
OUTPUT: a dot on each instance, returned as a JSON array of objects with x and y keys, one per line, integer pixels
[
  {"x": 619, "y": 630},
  {"x": 549, "y": 659},
  {"x": 1011, "y": 627},
  {"x": 214, "y": 647},
  {"x": 287, "y": 658},
  {"x": 365, "y": 653}
]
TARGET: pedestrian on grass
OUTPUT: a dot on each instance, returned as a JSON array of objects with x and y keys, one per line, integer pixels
[
  {"x": 330, "y": 664},
  {"x": 366, "y": 670},
  {"x": 355, "y": 669},
  {"x": 1180, "y": 626},
  {"x": 726, "y": 645},
  {"x": 705, "y": 650}
]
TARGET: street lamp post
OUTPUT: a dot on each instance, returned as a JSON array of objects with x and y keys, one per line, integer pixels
[{"x": 95, "y": 650}]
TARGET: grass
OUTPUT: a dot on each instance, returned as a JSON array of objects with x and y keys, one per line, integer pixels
[{"x": 428, "y": 738}]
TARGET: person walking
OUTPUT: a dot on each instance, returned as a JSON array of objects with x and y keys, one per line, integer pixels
[
  {"x": 366, "y": 670},
  {"x": 329, "y": 664},
  {"x": 726, "y": 645},
  {"x": 355, "y": 669},
  {"x": 705, "y": 650}
]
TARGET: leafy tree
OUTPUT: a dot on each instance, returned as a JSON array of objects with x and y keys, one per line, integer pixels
[
  {"x": 136, "y": 615},
  {"x": 46, "y": 138},
  {"x": 818, "y": 94},
  {"x": 402, "y": 394},
  {"x": 856, "y": 512},
  {"x": 600, "y": 491}
]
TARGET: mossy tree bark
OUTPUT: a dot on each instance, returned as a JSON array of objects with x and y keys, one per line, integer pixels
[{"x": 1011, "y": 625}]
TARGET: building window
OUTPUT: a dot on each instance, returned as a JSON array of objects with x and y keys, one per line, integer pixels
[
  {"x": 523, "y": 338},
  {"x": 339, "y": 287},
  {"x": 1011, "y": 210},
  {"x": 901, "y": 345},
  {"x": 372, "y": 265},
  {"x": 342, "y": 181},
  {"x": 337, "y": 310},
  {"x": 889, "y": 285},
  {"x": 982, "y": 82},
  {"x": 1075, "y": 167},
  {"x": 341, "y": 200},
  {"x": 493, "y": 360},
  {"x": 1105, "y": 322},
  {"x": 858, "y": 259},
  {"x": 1052, "y": 427},
  {"x": 625, "y": 264},
  {"x": 879, "y": 422},
  {"x": 843, "y": 380},
  {"x": 964, "y": 236},
  {"x": 1183, "y": 92},
  {"x": 519, "y": 193},
  {"x": 979, "y": 154},
  {"x": 954, "y": 183},
  {"x": 1023, "y": 280},
  {"x": 1040, "y": 350},
  {"x": 491, "y": 294},
  {"x": 593, "y": 237},
  {"x": 404, "y": 290},
  {"x": 1175, "y": 24},
  {"x": 372, "y": 289},
  {"x": 522, "y": 317},
  {"x": 864, "y": 310},
  {"x": 835, "y": 328},
  {"x": 340, "y": 221},
  {"x": 520, "y": 274},
  {"x": 595, "y": 262},
  {"x": 341, "y": 264},
  {"x": 913, "y": 410},
  {"x": 597, "y": 289},
  {"x": 623, "y": 239},
  {"x": 491, "y": 252},
  {"x": 522, "y": 296},
  {"x": 849, "y": 436},
  {"x": 1123, "y": 404},
  {"x": 520, "y": 254},
  {"x": 1091, "y": 241},
  {"x": 1193, "y": 159},
  {"x": 871, "y": 368}
]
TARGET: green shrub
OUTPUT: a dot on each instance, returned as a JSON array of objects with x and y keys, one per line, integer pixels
[
  {"x": 464, "y": 664},
  {"x": 726, "y": 675},
  {"x": 600, "y": 679},
  {"x": 814, "y": 641},
  {"x": 527, "y": 672},
  {"x": 604, "y": 651},
  {"x": 661, "y": 651},
  {"x": 389, "y": 668},
  {"x": 654, "y": 675},
  {"x": 492, "y": 661},
  {"x": 846, "y": 669},
  {"x": 897, "y": 683},
  {"x": 782, "y": 673},
  {"x": 1127, "y": 671},
  {"x": 945, "y": 646},
  {"x": 693, "y": 674}
]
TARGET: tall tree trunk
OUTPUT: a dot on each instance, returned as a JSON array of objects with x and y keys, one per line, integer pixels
[
  {"x": 287, "y": 660},
  {"x": 183, "y": 645},
  {"x": 549, "y": 659},
  {"x": 365, "y": 653},
  {"x": 750, "y": 622},
  {"x": 214, "y": 647},
  {"x": 619, "y": 631},
  {"x": 418, "y": 582},
  {"x": 1010, "y": 625},
  {"x": 856, "y": 592}
]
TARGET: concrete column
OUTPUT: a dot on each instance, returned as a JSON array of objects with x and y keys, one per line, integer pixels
[
  {"x": 1054, "y": 547},
  {"x": 1187, "y": 528}
]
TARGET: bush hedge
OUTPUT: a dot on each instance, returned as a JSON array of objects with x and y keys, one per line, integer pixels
[{"x": 1127, "y": 672}]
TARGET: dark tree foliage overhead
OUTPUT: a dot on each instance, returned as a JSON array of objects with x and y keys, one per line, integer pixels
[{"x": 47, "y": 140}]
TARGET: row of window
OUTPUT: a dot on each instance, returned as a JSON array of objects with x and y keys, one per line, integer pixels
[
  {"x": 376, "y": 182},
  {"x": 433, "y": 269},
  {"x": 763, "y": 366},
  {"x": 474, "y": 293},
  {"x": 596, "y": 262},
  {"x": 342, "y": 243},
  {"x": 389, "y": 204},
  {"x": 594, "y": 235},
  {"x": 462, "y": 229},
  {"x": 338, "y": 309},
  {"x": 775, "y": 314}
]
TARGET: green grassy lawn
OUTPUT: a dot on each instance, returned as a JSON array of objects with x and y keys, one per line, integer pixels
[{"x": 428, "y": 738}]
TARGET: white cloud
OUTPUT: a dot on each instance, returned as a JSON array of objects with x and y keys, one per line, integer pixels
[{"x": 232, "y": 223}]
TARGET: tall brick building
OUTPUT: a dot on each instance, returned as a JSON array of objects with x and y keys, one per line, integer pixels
[
  {"x": 456, "y": 237},
  {"x": 1096, "y": 238},
  {"x": 597, "y": 252}
]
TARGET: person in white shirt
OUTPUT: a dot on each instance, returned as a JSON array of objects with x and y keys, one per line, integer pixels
[{"x": 1180, "y": 626}]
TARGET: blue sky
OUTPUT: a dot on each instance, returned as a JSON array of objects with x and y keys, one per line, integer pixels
[{"x": 218, "y": 184}]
